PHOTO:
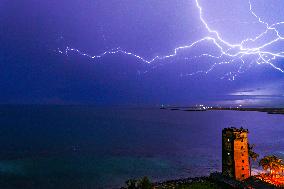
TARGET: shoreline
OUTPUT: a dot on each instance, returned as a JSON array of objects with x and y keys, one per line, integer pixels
[
  {"x": 214, "y": 181},
  {"x": 198, "y": 109}
]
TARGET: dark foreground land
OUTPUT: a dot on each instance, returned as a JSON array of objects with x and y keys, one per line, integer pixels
[
  {"x": 195, "y": 183},
  {"x": 214, "y": 181}
]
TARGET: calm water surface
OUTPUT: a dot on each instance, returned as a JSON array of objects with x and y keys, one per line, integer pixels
[{"x": 86, "y": 147}]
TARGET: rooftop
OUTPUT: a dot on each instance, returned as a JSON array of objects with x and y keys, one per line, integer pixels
[{"x": 234, "y": 129}]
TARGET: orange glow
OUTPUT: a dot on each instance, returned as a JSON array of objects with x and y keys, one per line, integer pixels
[{"x": 276, "y": 180}]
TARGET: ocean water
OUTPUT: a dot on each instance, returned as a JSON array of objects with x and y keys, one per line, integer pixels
[{"x": 85, "y": 147}]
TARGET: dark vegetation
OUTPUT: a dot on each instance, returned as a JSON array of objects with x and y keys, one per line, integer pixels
[{"x": 214, "y": 181}]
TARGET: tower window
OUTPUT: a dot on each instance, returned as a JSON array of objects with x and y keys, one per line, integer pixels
[
  {"x": 242, "y": 147},
  {"x": 243, "y": 161}
]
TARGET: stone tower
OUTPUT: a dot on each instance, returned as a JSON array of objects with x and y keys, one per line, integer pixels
[{"x": 235, "y": 158}]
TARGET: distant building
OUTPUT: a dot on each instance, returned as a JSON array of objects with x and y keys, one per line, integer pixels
[{"x": 235, "y": 157}]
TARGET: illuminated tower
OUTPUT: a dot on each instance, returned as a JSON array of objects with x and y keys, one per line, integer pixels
[{"x": 235, "y": 158}]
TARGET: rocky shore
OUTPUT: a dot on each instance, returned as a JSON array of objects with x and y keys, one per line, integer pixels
[
  {"x": 200, "y": 182},
  {"x": 214, "y": 181}
]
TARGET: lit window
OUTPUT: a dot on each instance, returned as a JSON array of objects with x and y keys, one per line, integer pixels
[
  {"x": 228, "y": 154},
  {"x": 228, "y": 140}
]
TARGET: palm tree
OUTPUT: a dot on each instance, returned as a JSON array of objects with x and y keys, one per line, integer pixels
[
  {"x": 252, "y": 155},
  {"x": 271, "y": 163}
]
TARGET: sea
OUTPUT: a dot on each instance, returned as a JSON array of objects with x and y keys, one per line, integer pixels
[{"x": 88, "y": 147}]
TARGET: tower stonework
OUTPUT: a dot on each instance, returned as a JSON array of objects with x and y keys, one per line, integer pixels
[{"x": 235, "y": 157}]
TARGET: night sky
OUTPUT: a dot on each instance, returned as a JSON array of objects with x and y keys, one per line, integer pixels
[{"x": 33, "y": 71}]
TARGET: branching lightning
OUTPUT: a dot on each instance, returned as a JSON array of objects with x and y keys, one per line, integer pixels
[{"x": 233, "y": 52}]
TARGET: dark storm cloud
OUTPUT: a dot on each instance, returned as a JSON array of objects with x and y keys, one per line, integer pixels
[{"x": 32, "y": 72}]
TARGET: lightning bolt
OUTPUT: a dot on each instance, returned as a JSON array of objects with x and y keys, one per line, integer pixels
[{"x": 234, "y": 52}]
